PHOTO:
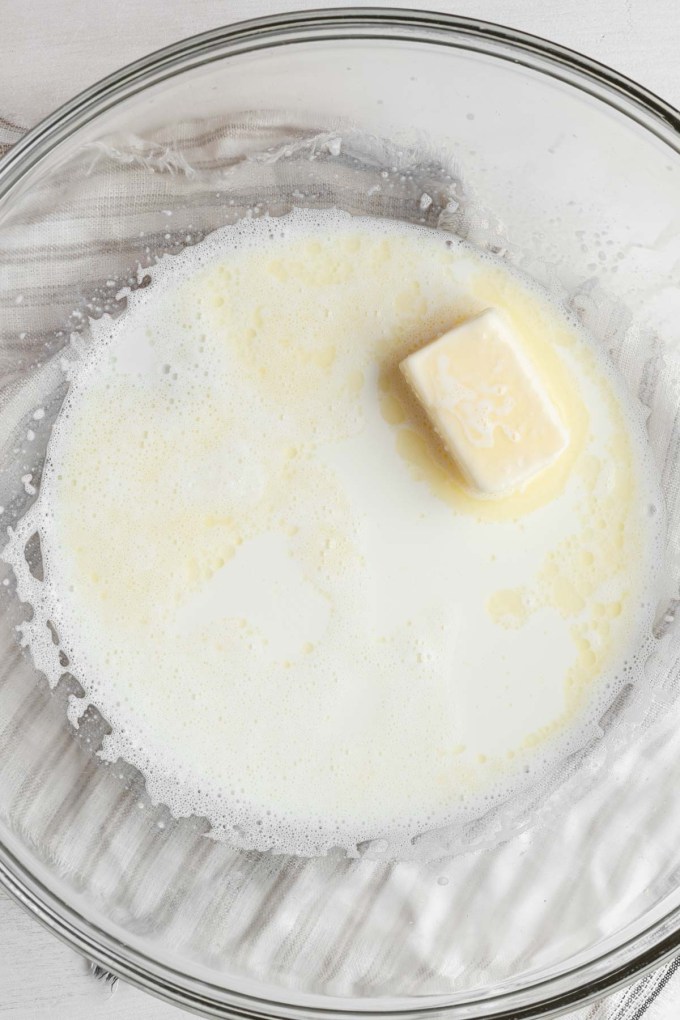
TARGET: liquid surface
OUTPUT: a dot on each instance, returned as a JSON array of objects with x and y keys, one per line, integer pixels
[{"x": 265, "y": 572}]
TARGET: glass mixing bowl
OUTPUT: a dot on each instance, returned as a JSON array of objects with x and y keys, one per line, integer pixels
[{"x": 560, "y": 166}]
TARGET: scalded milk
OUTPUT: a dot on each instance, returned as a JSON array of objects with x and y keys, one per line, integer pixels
[{"x": 264, "y": 572}]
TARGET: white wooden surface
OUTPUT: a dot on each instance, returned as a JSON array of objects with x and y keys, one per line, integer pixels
[{"x": 51, "y": 49}]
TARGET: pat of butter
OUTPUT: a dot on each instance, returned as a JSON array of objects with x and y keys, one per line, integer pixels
[{"x": 487, "y": 404}]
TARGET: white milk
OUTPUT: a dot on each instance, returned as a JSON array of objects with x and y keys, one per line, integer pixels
[{"x": 265, "y": 572}]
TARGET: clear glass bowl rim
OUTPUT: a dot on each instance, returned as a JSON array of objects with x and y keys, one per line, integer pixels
[{"x": 570, "y": 989}]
